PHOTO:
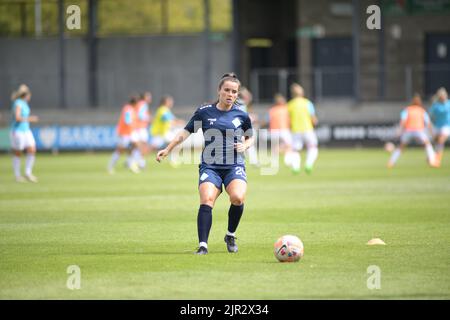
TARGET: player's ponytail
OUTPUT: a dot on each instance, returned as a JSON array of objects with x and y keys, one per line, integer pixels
[{"x": 21, "y": 92}]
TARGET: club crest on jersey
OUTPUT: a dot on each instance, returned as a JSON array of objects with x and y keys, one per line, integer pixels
[
  {"x": 236, "y": 122},
  {"x": 211, "y": 121}
]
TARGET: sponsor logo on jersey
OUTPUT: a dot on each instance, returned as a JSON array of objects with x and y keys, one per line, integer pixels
[{"x": 236, "y": 122}]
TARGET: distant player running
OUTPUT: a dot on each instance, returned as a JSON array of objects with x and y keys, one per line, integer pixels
[
  {"x": 440, "y": 117},
  {"x": 162, "y": 123},
  {"x": 143, "y": 119},
  {"x": 303, "y": 119},
  {"x": 244, "y": 101},
  {"x": 279, "y": 125},
  {"x": 414, "y": 121},
  {"x": 127, "y": 138},
  {"x": 228, "y": 133}
]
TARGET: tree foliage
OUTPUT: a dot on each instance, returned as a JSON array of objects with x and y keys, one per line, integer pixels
[{"x": 117, "y": 17}]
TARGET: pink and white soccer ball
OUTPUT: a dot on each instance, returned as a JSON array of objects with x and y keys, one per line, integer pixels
[{"x": 288, "y": 248}]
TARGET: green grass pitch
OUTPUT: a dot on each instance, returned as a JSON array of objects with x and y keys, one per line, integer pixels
[{"x": 133, "y": 235}]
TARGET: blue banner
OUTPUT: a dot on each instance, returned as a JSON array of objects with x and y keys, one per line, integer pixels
[{"x": 75, "y": 137}]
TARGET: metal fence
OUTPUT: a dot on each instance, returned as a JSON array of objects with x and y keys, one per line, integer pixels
[{"x": 393, "y": 83}]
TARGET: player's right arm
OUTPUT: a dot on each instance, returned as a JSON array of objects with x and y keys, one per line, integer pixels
[
  {"x": 428, "y": 123},
  {"x": 431, "y": 112},
  {"x": 179, "y": 138},
  {"x": 403, "y": 117}
]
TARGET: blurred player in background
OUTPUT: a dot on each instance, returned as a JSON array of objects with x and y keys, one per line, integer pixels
[
  {"x": 303, "y": 120},
  {"x": 440, "y": 116},
  {"x": 164, "y": 126},
  {"x": 244, "y": 101},
  {"x": 225, "y": 167},
  {"x": 142, "y": 126},
  {"x": 127, "y": 137},
  {"x": 279, "y": 124},
  {"x": 20, "y": 135},
  {"x": 414, "y": 121}
]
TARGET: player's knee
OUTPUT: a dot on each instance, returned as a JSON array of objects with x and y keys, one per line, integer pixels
[
  {"x": 208, "y": 200},
  {"x": 237, "y": 199}
]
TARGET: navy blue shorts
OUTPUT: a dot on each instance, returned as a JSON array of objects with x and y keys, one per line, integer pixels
[{"x": 221, "y": 176}]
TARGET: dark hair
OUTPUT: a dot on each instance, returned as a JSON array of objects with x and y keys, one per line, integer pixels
[
  {"x": 144, "y": 94},
  {"x": 417, "y": 100},
  {"x": 164, "y": 99},
  {"x": 231, "y": 76},
  {"x": 134, "y": 98}
]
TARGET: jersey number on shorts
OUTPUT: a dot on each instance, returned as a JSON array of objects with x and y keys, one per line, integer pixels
[{"x": 240, "y": 172}]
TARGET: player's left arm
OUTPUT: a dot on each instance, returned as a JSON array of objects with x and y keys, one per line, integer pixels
[
  {"x": 20, "y": 118},
  {"x": 248, "y": 137},
  {"x": 428, "y": 124},
  {"x": 247, "y": 143},
  {"x": 312, "y": 113},
  {"x": 403, "y": 117}
]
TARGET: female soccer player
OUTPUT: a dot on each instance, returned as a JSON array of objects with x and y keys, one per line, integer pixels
[
  {"x": 21, "y": 135},
  {"x": 440, "y": 116},
  {"x": 143, "y": 118},
  {"x": 413, "y": 124},
  {"x": 279, "y": 124},
  {"x": 303, "y": 119},
  {"x": 127, "y": 137},
  {"x": 228, "y": 133},
  {"x": 244, "y": 100}
]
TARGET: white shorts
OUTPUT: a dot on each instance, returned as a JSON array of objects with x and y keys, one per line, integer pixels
[
  {"x": 308, "y": 138},
  {"x": 282, "y": 135},
  {"x": 142, "y": 135},
  {"x": 158, "y": 142},
  {"x": 125, "y": 141},
  {"x": 21, "y": 140},
  {"x": 418, "y": 136},
  {"x": 445, "y": 130}
]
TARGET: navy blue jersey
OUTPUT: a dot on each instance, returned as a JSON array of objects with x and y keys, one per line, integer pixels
[{"x": 221, "y": 130}]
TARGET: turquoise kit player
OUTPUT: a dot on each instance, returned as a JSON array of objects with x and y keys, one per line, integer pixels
[
  {"x": 440, "y": 116},
  {"x": 20, "y": 135},
  {"x": 228, "y": 134}
]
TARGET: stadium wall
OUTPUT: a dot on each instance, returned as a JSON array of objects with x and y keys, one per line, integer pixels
[
  {"x": 404, "y": 51},
  {"x": 163, "y": 64}
]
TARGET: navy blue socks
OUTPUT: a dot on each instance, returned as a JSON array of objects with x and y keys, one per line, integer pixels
[
  {"x": 234, "y": 216},
  {"x": 204, "y": 222}
]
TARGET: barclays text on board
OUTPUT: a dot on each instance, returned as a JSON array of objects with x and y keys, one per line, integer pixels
[{"x": 105, "y": 137}]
